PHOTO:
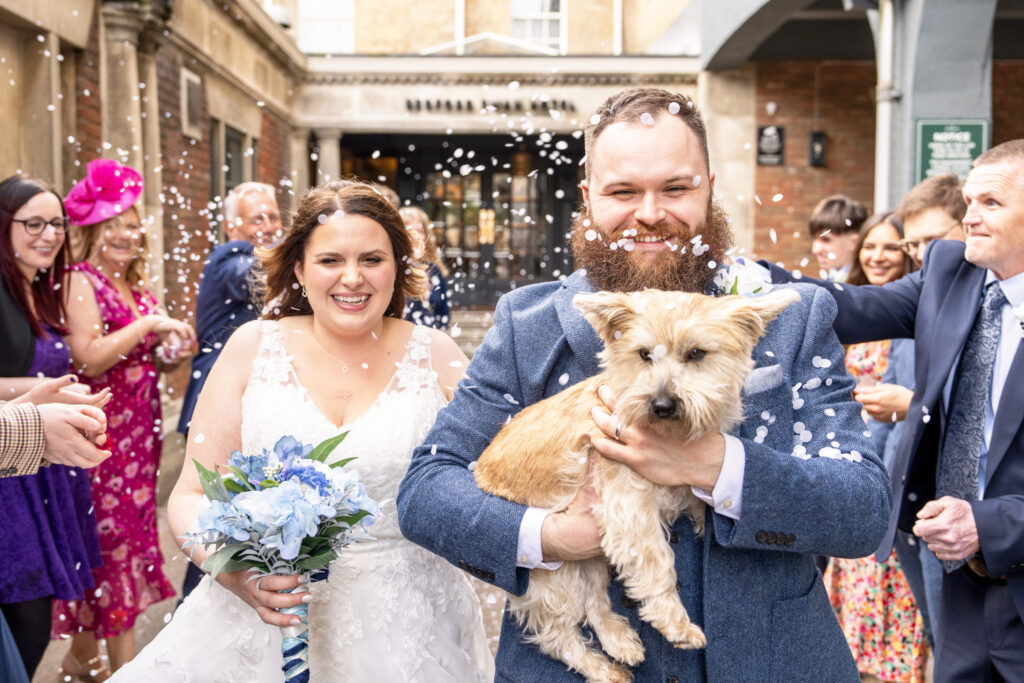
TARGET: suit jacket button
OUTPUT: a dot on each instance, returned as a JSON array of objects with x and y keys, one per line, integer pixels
[
  {"x": 673, "y": 537},
  {"x": 672, "y": 679},
  {"x": 489, "y": 576},
  {"x": 628, "y": 602},
  {"x": 463, "y": 565},
  {"x": 770, "y": 537},
  {"x": 791, "y": 539},
  {"x": 762, "y": 536},
  {"x": 781, "y": 539}
]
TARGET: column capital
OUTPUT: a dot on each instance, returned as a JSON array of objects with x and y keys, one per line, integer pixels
[{"x": 323, "y": 134}]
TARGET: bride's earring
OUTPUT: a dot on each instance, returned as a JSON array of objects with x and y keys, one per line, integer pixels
[{"x": 303, "y": 291}]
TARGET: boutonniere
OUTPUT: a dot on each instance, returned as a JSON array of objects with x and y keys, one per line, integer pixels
[
  {"x": 1019, "y": 314},
  {"x": 744, "y": 277}
]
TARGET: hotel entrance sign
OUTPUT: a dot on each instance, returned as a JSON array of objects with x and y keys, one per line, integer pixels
[{"x": 948, "y": 146}]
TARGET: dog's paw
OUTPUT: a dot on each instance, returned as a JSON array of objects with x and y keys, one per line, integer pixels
[
  {"x": 625, "y": 647},
  {"x": 613, "y": 673},
  {"x": 690, "y": 637}
]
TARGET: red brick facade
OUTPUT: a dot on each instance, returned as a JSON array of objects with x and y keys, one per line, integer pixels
[
  {"x": 273, "y": 163},
  {"x": 1007, "y": 101},
  {"x": 846, "y": 113},
  {"x": 88, "y": 115}
]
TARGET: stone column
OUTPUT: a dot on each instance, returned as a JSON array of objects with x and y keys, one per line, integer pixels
[
  {"x": 152, "y": 159},
  {"x": 119, "y": 81},
  {"x": 300, "y": 164},
  {"x": 328, "y": 163},
  {"x": 41, "y": 112}
]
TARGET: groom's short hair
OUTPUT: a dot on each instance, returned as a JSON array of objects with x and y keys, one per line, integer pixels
[{"x": 631, "y": 105}]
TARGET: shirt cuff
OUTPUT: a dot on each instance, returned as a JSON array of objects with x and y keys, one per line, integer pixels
[
  {"x": 528, "y": 553},
  {"x": 727, "y": 498}
]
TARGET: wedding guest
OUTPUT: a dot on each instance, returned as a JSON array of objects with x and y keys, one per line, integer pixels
[
  {"x": 835, "y": 224},
  {"x": 120, "y": 338},
  {"x": 872, "y": 599},
  {"x": 225, "y": 302},
  {"x": 47, "y": 525},
  {"x": 932, "y": 210},
  {"x": 430, "y": 308}
]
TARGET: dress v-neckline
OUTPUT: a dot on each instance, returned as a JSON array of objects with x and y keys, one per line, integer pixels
[{"x": 348, "y": 423}]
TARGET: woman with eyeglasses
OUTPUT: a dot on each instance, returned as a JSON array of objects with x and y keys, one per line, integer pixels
[
  {"x": 120, "y": 338},
  {"x": 47, "y": 526}
]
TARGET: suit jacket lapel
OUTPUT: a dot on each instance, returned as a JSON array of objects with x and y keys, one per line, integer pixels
[
  {"x": 581, "y": 337},
  {"x": 954, "y": 321},
  {"x": 1009, "y": 416}
]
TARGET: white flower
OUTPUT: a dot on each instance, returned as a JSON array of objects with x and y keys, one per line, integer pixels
[
  {"x": 1019, "y": 314},
  {"x": 745, "y": 278}
]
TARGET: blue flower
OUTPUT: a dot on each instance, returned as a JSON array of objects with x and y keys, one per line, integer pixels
[
  {"x": 223, "y": 519},
  {"x": 285, "y": 515}
]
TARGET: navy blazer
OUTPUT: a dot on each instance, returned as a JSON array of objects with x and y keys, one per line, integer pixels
[
  {"x": 750, "y": 584},
  {"x": 936, "y": 306},
  {"x": 223, "y": 304}
]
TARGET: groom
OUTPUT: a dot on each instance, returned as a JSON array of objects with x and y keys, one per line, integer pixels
[{"x": 773, "y": 497}]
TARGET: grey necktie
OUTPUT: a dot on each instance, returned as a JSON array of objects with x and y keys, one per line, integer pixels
[{"x": 972, "y": 384}]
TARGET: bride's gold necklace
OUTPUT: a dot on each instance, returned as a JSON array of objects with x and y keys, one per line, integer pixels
[{"x": 361, "y": 360}]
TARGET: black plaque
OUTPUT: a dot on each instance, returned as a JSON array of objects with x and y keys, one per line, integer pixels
[{"x": 770, "y": 145}]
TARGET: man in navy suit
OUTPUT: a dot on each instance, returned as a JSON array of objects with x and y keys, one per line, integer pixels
[
  {"x": 958, "y": 471},
  {"x": 224, "y": 302},
  {"x": 797, "y": 477}
]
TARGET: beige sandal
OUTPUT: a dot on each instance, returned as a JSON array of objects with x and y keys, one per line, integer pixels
[{"x": 93, "y": 671}]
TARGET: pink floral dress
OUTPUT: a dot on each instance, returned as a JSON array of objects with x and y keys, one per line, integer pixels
[
  {"x": 872, "y": 599},
  {"x": 124, "y": 486}
]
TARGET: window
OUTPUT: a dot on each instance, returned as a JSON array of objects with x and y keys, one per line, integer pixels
[
  {"x": 538, "y": 21},
  {"x": 234, "y": 155},
  {"x": 327, "y": 27}
]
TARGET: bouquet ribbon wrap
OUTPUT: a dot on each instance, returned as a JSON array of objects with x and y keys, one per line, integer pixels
[{"x": 295, "y": 643}]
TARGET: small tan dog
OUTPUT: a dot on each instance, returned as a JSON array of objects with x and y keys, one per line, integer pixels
[{"x": 677, "y": 363}]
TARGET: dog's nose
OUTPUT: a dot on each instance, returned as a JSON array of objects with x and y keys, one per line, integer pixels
[{"x": 663, "y": 406}]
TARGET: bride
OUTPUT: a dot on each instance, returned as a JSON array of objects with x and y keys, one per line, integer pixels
[{"x": 332, "y": 354}]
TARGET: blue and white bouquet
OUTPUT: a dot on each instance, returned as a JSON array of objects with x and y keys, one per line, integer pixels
[{"x": 283, "y": 512}]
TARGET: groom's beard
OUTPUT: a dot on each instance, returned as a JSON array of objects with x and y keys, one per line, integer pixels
[{"x": 619, "y": 270}]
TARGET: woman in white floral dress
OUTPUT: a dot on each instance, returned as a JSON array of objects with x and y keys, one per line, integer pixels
[{"x": 331, "y": 354}]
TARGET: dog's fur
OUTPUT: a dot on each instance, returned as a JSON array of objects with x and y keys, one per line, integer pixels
[{"x": 541, "y": 458}]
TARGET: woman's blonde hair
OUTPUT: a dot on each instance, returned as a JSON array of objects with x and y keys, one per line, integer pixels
[
  {"x": 85, "y": 239},
  {"x": 279, "y": 284},
  {"x": 414, "y": 214}
]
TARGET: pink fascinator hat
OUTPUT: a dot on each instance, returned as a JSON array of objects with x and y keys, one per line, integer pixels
[{"x": 107, "y": 190}]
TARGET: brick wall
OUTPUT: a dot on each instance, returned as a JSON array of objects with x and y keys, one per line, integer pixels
[
  {"x": 1007, "y": 101},
  {"x": 186, "y": 193},
  {"x": 88, "y": 115},
  {"x": 846, "y": 113},
  {"x": 273, "y": 165}
]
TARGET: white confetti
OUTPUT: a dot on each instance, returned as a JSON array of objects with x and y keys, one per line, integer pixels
[
  {"x": 673, "y": 108},
  {"x": 647, "y": 119},
  {"x": 564, "y": 379},
  {"x": 511, "y": 399}
]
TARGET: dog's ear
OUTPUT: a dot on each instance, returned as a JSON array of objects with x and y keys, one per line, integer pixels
[
  {"x": 754, "y": 313},
  {"x": 605, "y": 311}
]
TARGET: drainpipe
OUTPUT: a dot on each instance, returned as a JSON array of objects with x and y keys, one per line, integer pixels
[{"x": 886, "y": 99}]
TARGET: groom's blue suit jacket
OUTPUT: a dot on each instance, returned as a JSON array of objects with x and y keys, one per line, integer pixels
[
  {"x": 751, "y": 584},
  {"x": 936, "y": 307}
]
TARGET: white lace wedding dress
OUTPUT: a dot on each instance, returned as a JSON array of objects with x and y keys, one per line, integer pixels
[{"x": 390, "y": 610}]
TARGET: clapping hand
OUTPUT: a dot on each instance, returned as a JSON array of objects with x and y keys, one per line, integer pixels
[
  {"x": 65, "y": 390},
  {"x": 884, "y": 402},
  {"x": 74, "y": 434}
]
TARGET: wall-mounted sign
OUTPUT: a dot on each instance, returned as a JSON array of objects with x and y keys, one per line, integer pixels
[
  {"x": 770, "y": 144},
  {"x": 948, "y": 146}
]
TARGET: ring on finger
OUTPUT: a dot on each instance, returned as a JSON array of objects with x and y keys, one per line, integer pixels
[{"x": 618, "y": 431}]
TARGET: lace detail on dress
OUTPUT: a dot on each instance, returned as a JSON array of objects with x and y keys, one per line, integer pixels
[{"x": 390, "y": 610}]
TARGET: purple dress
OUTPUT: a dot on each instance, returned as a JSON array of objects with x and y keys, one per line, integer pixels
[{"x": 47, "y": 526}]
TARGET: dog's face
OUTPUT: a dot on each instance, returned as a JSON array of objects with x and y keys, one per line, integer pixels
[{"x": 678, "y": 360}]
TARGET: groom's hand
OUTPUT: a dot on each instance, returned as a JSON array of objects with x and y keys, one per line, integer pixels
[
  {"x": 573, "y": 534},
  {"x": 263, "y": 596}
]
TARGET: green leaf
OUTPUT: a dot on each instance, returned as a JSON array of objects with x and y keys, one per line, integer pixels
[
  {"x": 234, "y": 486},
  {"x": 269, "y": 484},
  {"x": 342, "y": 463},
  {"x": 353, "y": 519},
  {"x": 223, "y": 561},
  {"x": 240, "y": 475},
  {"x": 213, "y": 485},
  {"x": 735, "y": 289},
  {"x": 324, "y": 448},
  {"x": 311, "y": 563}
]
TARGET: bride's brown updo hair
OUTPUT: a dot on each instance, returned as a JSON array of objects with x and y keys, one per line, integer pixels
[{"x": 281, "y": 293}]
